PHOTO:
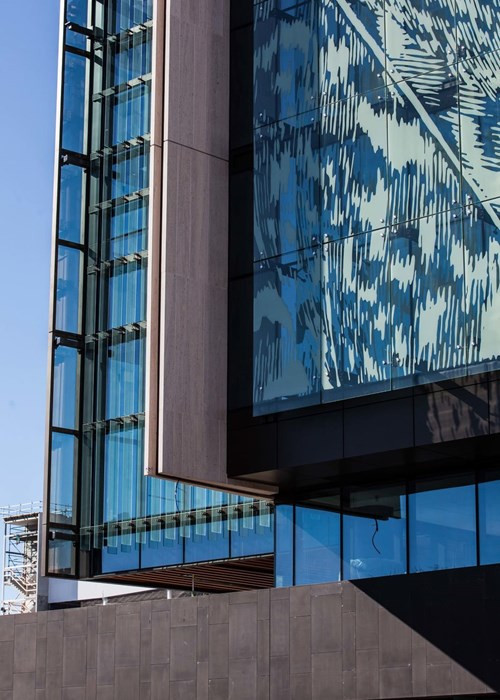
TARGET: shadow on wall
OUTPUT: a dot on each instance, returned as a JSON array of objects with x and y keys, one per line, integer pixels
[{"x": 450, "y": 632}]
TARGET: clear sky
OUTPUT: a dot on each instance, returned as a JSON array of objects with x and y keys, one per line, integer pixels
[{"x": 28, "y": 56}]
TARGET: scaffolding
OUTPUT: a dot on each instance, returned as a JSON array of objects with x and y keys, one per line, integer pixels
[{"x": 20, "y": 557}]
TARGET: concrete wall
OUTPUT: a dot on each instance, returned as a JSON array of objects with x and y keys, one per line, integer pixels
[{"x": 425, "y": 635}]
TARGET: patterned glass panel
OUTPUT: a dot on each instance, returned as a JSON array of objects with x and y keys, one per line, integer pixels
[
  {"x": 287, "y": 331},
  {"x": 285, "y": 59},
  {"x": 482, "y": 271},
  {"x": 427, "y": 293},
  {"x": 351, "y": 58},
  {"x": 286, "y": 186},
  {"x": 424, "y": 161},
  {"x": 354, "y": 165},
  {"x": 479, "y": 127},
  {"x": 356, "y": 317}
]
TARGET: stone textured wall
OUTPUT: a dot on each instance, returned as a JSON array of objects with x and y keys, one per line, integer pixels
[{"x": 369, "y": 640}]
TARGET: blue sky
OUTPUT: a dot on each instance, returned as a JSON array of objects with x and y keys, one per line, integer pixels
[{"x": 28, "y": 54}]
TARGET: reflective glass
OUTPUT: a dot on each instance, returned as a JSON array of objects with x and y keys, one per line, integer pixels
[
  {"x": 127, "y": 13},
  {"x": 127, "y": 228},
  {"x": 129, "y": 172},
  {"x": 61, "y": 553},
  {"x": 203, "y": 544},
  {"x": 286, "y": 332},
  {"x": 74, "y": 102},
  {"x": 479, "y": 120},
  {"x": 286, "y": 186},
  {"x": 254, "y": 533},
  {"x": 71, "y": 203},
  {"x": 130, "y": 57},
  {"x": 285, "y": 59},
  {"x": 489, "y": 518},
  {"x": 130, "y": 115},
  {"x": 482, "y": 271},
  {"x": 79, "y": 41},
  {"x": 120, "y": 551},
  {"x": 478, "y": 29},
  {"x": 317, "y": 546},
  {"x": 283, "y": 556},
  {"x": 351, "y": 58},
  {"x": 356, "y": 342},
  {"x": 424, "y": 140},
  {"x": 354, "y": 166},
  {"x": 374, "y": 532},
  {"x": 77, "y": 11},
  {"x": 69, "y": 262},
  {"x": 427, "y": 300},
  {"x": 123, "y": 474},
  {"x": 163, "y": 546},
  {"x": 125, "y": 365},
  {"x": 65, "y": 392},
  {"x": 63, "y": 459},
  {"x": 420, "y": 36},
  {"x": 442, "y": 520},
  {"x": 126, "y": 287}
]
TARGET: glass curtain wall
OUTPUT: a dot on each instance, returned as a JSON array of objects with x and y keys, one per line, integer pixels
[
  {"x": 428, "y": 524},
  {"x": 101, "y": 502},
  {"x": 376, "y": 196}
]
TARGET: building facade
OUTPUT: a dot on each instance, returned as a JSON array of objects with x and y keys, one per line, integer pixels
[{"x": 275, "y": 320}]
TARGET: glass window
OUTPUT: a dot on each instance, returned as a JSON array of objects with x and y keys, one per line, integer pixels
[
  {"x": 164, "y": 546},
  {"x": 62, "y": 477},
  {"x": 423, "y": 142},
  {"x": 65, "y": 390},
  {"x": 489, "y": 519},
  {"x": 286, "y": 186},
  {"x": 61, "y": 553},
  {"x": 254, "y": 531},
  {"x": 354, "y": 166},
  {"x": 356, "y": 317},
  {"x": 420, "y": 36},
  {"x": 350, "y": 59},
  {"x": 69, "y": 262},
  {"x": 286, "y": 332},
  {"x": 285, "y": 59},
  {"x": 123, "y": 473},
  {"x": 77, "y": 11},
  {"x": 427, "y": 309},
  {"x": 442, "y": 518},
  {"x": 317, "y": 546},
  {"x": 74, "y": 103},
  {"x": 71, "y": 203},
  {"x": 482, "y": 249},
  {"x": 374, "y": 531},
  {"x": 121, "y": 550},
  {"x": 283, "y": 563},
  {"x": 126, "y": 293},
  {"x": 125, "y": 362}
]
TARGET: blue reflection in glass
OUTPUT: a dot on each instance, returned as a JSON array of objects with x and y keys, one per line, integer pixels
[
  {"x": 254, "y": 533},
  {"x": 68, "y": 289},
  {"x": 286, "y": 332},
  {"x": 442, "y": 518},
  {"x": 128, "y": 231},
  {"x": 489, "y": 520},
  {"x": 317, "y": 546},
  {"x": 74, "y": 102},
  {"x": 62, "y": 477},
  {"x": 162, "y": 548},
  {"x": 285, "y": 59},
  {"x": 71, "y": 203},
  {"x": 77, "y": 11},
  {"x": 65, "y": 392},
  {"x": 121, "y": 553},
  {"x": 283, "y": 558},
  {"x": 375, "y": 536}
]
